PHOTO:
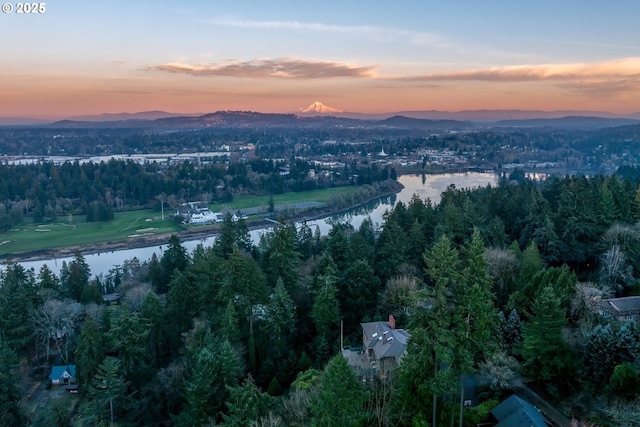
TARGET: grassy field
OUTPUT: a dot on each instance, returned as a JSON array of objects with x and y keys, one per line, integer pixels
[
  {"x": 129, "y": 225},
  {"x": 322, "y": 196},
  {"x": 62, "y": 233}
]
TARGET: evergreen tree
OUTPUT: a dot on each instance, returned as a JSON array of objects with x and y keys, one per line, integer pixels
[
  {"x": 416, "y": 378},
  {"x": 280, "y": 318},
  {"x": 183, "y": 304},
  {"x": 107, "y": 395},
  {"x": 283, "y": 259},
  {"x": 89, "y": 353},
  {"x": 546, "y": 356},
  {"x": 174, "y": 258},
  {"x": 152, "y": 314},
  {"x": 443, "y": 269},
  {"x": 600, "y": 354},
  {"x": 215, "y": 370},
  {"x": 476, "y": 312},
  {"x": 624, "y": 381},
  {"x": 339, "y": 399},
  {"x": 417, "y": 242},
  {"x": 226, "y": 239},
  {"x": 305, "y": 241},
  {"x": 155, "y": 274},
  {"x": 325, "y": 311},
  {"x": 511, "y": 330},
  {"x": 78, "y": 277},
  {"x": 229, "y": 328},
  {"x": 243, "y": 283},
  {"x": 241, "y": 235},
  {"x": 127, "y": 336},
  {"x": 605, "y": 349},
  {"x": 10, "y": 413},
  {"x": 92, "y": 293},
  {"x": 390, "y": 250},
  {"x": 246, "y": 404},
  {"x": 337, "y": 247},
  {"x": 358, "y": 294},
  {"x": 18, "y": 300},
  {"x": 47, "y": 278}
]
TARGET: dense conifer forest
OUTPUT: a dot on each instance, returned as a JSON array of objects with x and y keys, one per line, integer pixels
[{"x": 502, "y": 281}]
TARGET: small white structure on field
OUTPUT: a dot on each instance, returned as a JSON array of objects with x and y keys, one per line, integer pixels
[{"x": 205, "y": 217}]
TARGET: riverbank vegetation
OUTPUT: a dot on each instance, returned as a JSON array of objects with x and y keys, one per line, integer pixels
[
  {"x": 502, "y": 281},
  {"x": 45, "y": 192},
  {"x": 146, "y": 226}
]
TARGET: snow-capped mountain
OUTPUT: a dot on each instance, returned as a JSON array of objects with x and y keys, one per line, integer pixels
[{"x": 319, "y": 107}]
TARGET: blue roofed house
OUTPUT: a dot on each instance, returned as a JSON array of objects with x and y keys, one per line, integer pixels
[
  {"x": 63, "y": 374},
  {"x": 516, "y": 412}
]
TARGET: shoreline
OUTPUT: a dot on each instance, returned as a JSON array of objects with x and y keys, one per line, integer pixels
[{"x": 204, "y": 231}]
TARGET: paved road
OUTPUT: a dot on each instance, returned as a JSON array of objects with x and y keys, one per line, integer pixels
[{"x": 281, "y": 207}]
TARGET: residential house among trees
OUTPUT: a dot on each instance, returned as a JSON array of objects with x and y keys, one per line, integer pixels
[
  {"x": 516, "y": 412},
  {"x": 623, "y": 309},
  {"x": 63, "y": 374},
  {"x": 384, "y": 345}
]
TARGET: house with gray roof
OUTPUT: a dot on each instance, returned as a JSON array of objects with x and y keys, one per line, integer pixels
[
  {"x": 384, "y": 346},
  {"x": 623, "y": 309}
]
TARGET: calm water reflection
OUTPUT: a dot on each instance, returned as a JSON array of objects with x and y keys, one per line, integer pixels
[{"x": 425, "y": 186}]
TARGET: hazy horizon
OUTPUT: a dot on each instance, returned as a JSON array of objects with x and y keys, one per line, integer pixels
[{"x": 79, "y": 59}]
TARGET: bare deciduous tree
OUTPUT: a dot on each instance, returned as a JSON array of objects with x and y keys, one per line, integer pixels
[
  {"x": 584, "y": 304},
  {"x": 614, "y": 271},
  {"x": 624, "y": 413},
  {"x": 135, "y": 295},
  {"x": 502, "y": 371},
  {"x": 296, "y": 407},
  {"x": 502, "y": 266},
  {"x": 399, "y": 293},
  {"x": 55, "y": 321}
]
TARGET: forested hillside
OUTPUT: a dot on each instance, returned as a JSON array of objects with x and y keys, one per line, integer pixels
[
  {"x": 43, "y": 192},
  {"x": 503, "y": 281}
]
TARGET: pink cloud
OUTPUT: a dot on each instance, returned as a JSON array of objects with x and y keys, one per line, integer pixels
[{"x": 284, "y": 68}]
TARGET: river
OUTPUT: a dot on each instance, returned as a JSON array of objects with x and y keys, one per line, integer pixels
[{"x": 425, "y": 186}]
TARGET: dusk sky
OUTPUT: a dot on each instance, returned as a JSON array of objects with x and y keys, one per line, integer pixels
[{"x": 91, "y": 57}]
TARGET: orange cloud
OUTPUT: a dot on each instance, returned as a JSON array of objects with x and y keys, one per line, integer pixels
[
  {"x": 607, "y": 88},
  {"x": 284, "y": 68},
  {"x": 626, "y": 67}
]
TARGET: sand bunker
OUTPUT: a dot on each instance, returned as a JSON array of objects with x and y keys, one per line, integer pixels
[
  {"x": 146, "y": 230},
  {"x": 140, "y": 235}
]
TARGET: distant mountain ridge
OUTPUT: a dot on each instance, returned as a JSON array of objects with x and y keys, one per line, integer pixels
[
  {"x": 570, "y": 122},
  {"x": 142, "y": 115},
  {"x": 480, "y": 117},
  {"x": 21, "y": 121},
  {"x": 491, "y": 116},
  {"x": 406, "y": 119},
  {"x": 249, "y": 119}
]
